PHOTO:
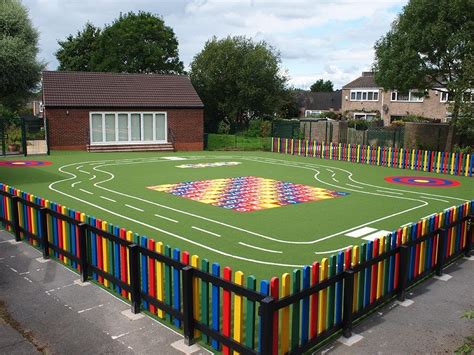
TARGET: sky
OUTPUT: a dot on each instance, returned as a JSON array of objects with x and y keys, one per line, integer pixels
[{"x": 317, "y": 39}]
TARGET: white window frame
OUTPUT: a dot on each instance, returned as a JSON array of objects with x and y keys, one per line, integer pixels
[
  {"x": 364, "y": 92},
  {"x": 365, "y": 114},
  {"x": 308, "y": 113},
  {"x": 129, "y": 141},
  {"x": 411, "y": 97},
  {"x": 444, "y": 92}
]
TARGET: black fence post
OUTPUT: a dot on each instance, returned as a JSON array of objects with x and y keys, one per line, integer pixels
[
  {"x": 135, "y": 277},
  {"x": 265, "y": 311},
  {"x": 470, "y": 234},
  {"x": 403, "y": 273},
  {"x": 44, "y": 232},
  {"x": 443, "y": 236},
  {"x": 188, "y": 311},
  {"x": 16, "y": 218},
  {"x": 348, "y": 303},
  {"x": 83, "y": 252}
]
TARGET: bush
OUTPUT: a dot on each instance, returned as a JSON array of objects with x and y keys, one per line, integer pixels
[
  {"x": 360, "y": 125},
  {"x": 223, "y": 128}
]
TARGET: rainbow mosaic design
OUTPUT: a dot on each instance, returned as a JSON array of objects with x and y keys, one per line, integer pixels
[
  {"x": 247, "y": 193},
  {"x": 422, "y": 181},
  {"x": 208, "y": 165},
  {"x": 24, "y": 163}
]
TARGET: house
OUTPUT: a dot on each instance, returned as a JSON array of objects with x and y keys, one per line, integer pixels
[
  {"x": 314, "y": 103},
  {"x": 121, "y": 112},
  {"x": 362, "y": 98}
]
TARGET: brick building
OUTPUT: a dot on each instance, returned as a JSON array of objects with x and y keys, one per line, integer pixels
[
  {"x": 362, "y": 98},
  {"x": 119, "y": 112}
]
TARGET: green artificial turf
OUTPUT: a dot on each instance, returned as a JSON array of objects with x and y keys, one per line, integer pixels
[{"x": 297, "y": 234}]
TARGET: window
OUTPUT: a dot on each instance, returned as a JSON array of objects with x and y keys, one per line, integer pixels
[
  {"x": 446, "y": 96},
  {"x": 411, "y": 96},
  {"x": 124, "y": 127},
  {"x": 364, "y": 95},
  {"x": 309, "y": 113},
  {"x": 364, "y": 116}
]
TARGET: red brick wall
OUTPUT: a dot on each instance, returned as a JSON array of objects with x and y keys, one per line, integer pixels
[{"x": 69, "y": 128}]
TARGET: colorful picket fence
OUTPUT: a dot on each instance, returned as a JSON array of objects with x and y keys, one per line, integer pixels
[
  {"x": 414, "y": 159},
  {"x": 225, "y": 309}
]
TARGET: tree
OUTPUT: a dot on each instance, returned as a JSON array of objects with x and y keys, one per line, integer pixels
[
  {"x": 429, "y": 46},
  {"x": 322, "y": 86},
  {"x": 20, "y": 71},
  {"x": 237, "y": 79},
  {"x": 137, "y": 43},
  {"x": 76, "y": 52}
]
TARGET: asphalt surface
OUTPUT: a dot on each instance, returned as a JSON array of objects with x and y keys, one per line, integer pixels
[{"x": 44, "y": 309}]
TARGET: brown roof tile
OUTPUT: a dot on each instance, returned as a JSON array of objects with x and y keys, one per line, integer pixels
[
  {"x": 92, "y": 89},
  {"x": 364, "y": 81}
]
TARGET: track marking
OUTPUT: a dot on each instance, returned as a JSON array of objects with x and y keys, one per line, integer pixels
[
  {"x": 360, "y": 232},
  {"x": 168, "y": 219},
  {"x": 436, "y": 199},
  {"x": 108, "y": 199},
  {"x": 335, "y": 180},
  {"x": 262, "y": 249},
  {"x": 331, "y": 171},
  {"x": 332, "y": 251},
  {"x": 376, "y": 235},
  {"x": 85, "y": 172},
  {"x": 391, "y": 192},
  {"x": 78, "y": 167},
  {"x": 89, "y": 309},
  {"x": 357, "y": 187},
  {"x": 86, "y": 192},
  {"x": 135, "y": 208},
  {"x": 206, "y": 231},
  {"x": 92, "y": 178},
  {"x": 75, "y": 183}
]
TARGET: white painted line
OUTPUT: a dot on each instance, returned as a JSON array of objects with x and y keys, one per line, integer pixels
[
  {"x": 5, "y": 241},
  {"x": 85, "y": 172},
  {"x": 89, "y": 309},
  {"x": 406, "y": 224},
  {"x": 185, "y": 349},
  {"x": 134, "y": 208},
  {"x": 357, "y": 187},
  {"x": 355, "y": 338},
  {"x": 114, "y": 337},
  {"x": 432, "y": 198},
  {"x": 444, "y": 277},
  {"x": 86, "y": 192},
  {"x": 80, "y": 166},
  {"x": 173, "y": 158},
  {"x": 14, "y": 242},
  {"x": 42, "y": 261},
  {"x": 360, "y": 232},
  {"x": 332, "y": 251},
  {"x": 262, "y": 249},
  {"x": 390, "y": 192},
  {"x": 14, "y": 270},
  {"x": 168, "y": 219},
  {"x": 75, "y": 183},
  {"x": 106, "y": 198},
  {"x": 406, "y": 303},
  {"x": 128, "y": 313},
  {"x": 92, "y": 178},
  {"x": 27, "y": 279},
  {"x": 335, "y": 180},
  {"x": 331, "y": 171},
  {"x": 376, "y": 235},
  {"x": 470, "y": 258},
  {"x": 206, "y": 231}
]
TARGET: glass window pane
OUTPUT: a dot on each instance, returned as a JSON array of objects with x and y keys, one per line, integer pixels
[
  {"x": 110, "y": 127},
  {"x": 148, "y": 126},
  {"x": 160, "y": 127},
  {"x": 353, "y": 95},
  {"x": 96, "y": 128},
  {"x": 364, "y": 96},
  {"x": 370, "y": 96},
  {"x": 376, "y": 96},
  {"x": 403, "y": 96},
  {"x": 358, "y": 95},
  {"x": 122, "y": 127},
  {"x": 136, "y": 126}
]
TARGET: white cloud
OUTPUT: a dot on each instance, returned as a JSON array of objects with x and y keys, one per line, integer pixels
[{"x": 316, "y": 38}]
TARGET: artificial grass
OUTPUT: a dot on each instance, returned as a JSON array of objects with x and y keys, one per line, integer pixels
[{"x": 303, "y": 223}]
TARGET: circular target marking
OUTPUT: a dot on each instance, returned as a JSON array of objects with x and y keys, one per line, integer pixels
[
  {"x": 422, "y": 181},
  {"x": 24, "y": 163}
]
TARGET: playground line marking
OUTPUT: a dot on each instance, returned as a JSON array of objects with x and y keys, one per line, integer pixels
[
  {"x": 360, "y": 232},
  {"x": 436, "y": 199},
  {"x": 376, "y": 235},
  {"x": 390, "y": 192},
  {"x": 206, "y": 231},
  {"x": 134, "y": 208},
  {"x": 167, "y": 218},
  {"x": 86, "y": 192},
  {"x": 262, "y": 249},
  {"x": 108, "y": 199}
]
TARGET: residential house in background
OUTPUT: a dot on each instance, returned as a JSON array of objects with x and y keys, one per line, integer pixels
[
  {"x": 362, "y": 98},
  {"x": 314, "y": 103}
]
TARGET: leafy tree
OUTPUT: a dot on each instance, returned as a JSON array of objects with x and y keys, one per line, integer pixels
[
  {"x": 429, "y": 46},
  {"x": 20, "y": 71},
  {"x": 137, "y": 43},
  {"x": 322, "y": 86},
  {"x": 289, "y": 107},
  {"x": 237, "y": 79},
  {"x": 76, "y": 52}
]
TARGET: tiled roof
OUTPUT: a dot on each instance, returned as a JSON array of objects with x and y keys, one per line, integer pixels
[
  {"x": 92, "y": 89},
  {"x": 364, "y": 81},
  {"x": 319, "y": 100}
]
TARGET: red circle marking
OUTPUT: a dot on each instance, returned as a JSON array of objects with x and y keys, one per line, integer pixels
[
  {"x": 24, "y": 163},
  {"x": 422, "y": 181}
]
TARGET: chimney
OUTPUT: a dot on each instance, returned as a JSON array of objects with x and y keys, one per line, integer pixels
[{"x": 367, "y": 73}]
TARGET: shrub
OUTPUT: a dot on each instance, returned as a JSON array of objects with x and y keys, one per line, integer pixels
[
  {"x": 360, "y": 125},
  {"x": 223, "y": 128}
]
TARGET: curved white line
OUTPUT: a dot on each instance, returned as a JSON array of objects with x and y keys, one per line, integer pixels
[
  {"x": 332, "y": 251},
  {"x": 261, "y": 249}
]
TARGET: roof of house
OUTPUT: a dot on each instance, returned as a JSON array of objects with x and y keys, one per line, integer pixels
[
  {"x": 323, "y": 101},
  {"x": 366, "y": 80},
  {"x": 93, "y": 89}
]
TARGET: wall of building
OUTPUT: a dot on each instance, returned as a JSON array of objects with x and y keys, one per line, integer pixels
[
  {"x": 431, "y": 107},
  {"x": 68, "y": 129}
]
